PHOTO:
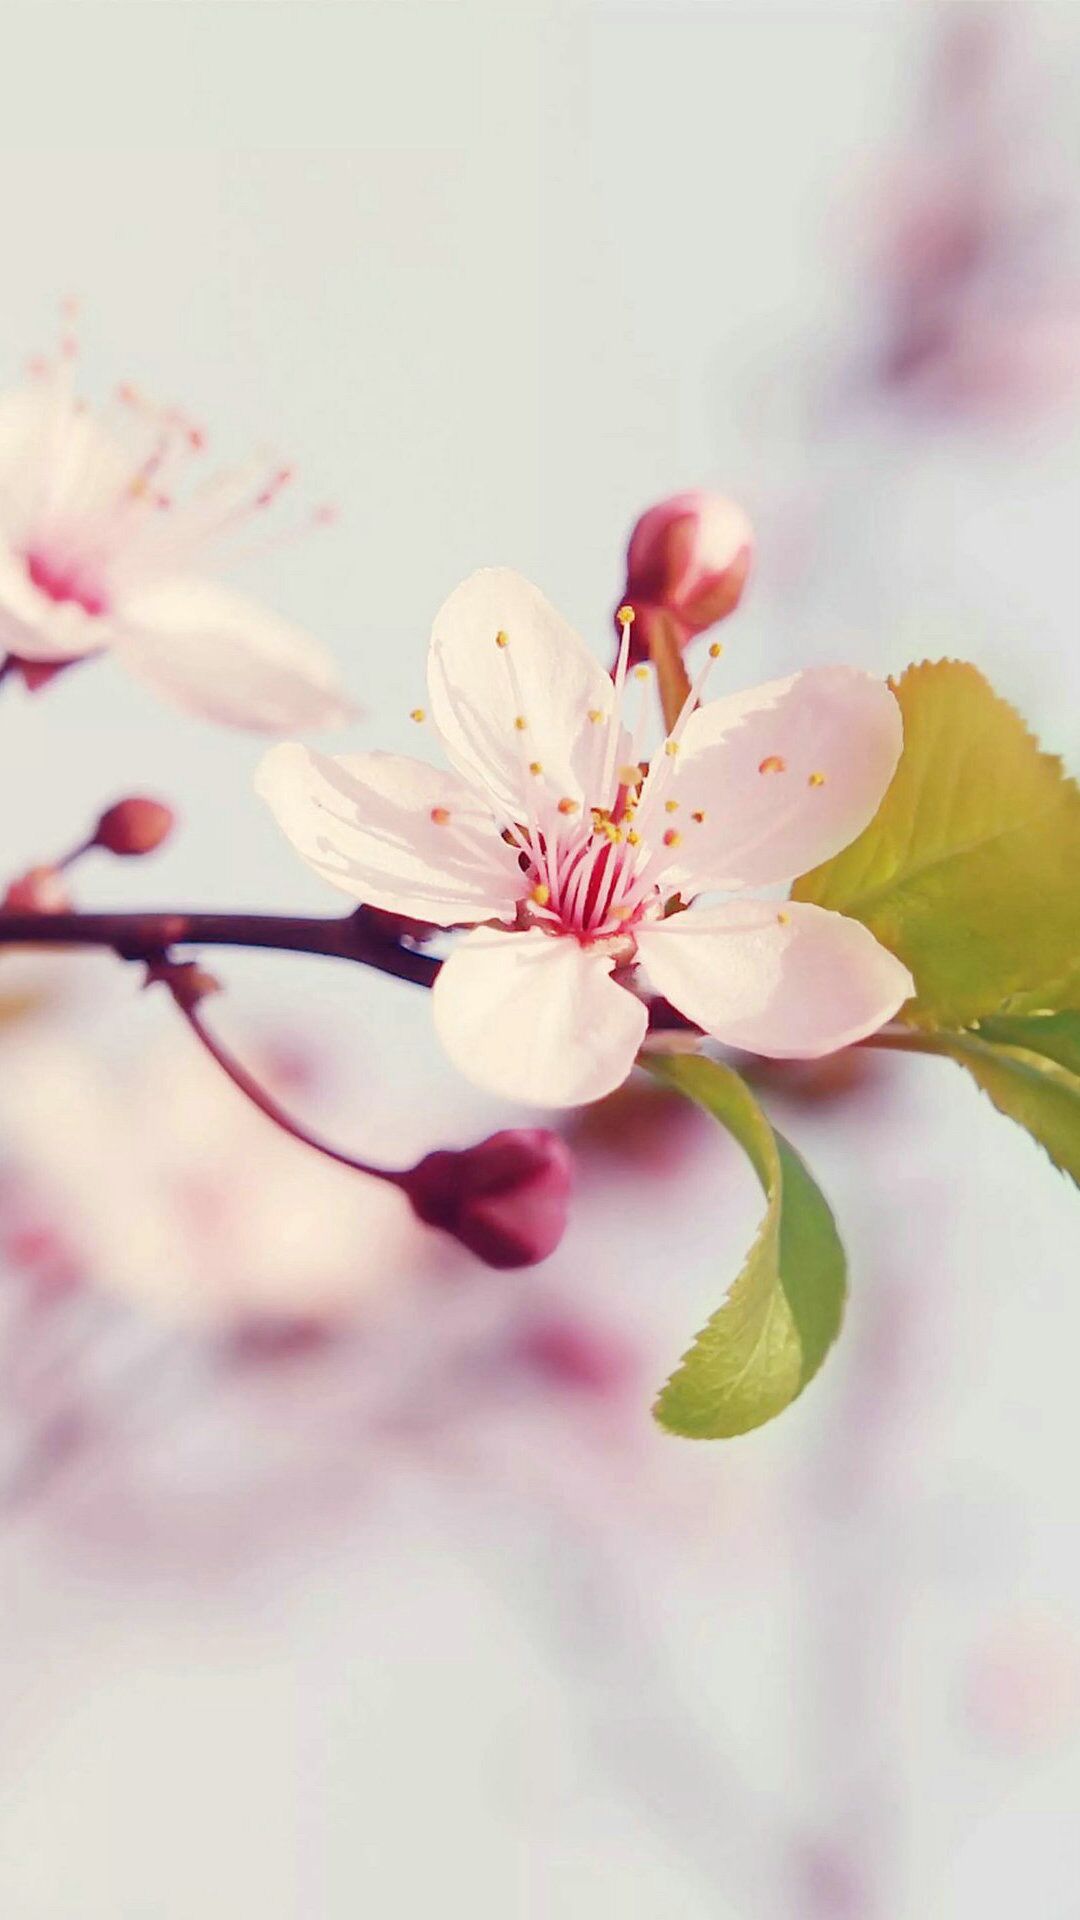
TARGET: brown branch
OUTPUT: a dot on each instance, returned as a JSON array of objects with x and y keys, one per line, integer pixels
[{"x": 356, "y": 936}]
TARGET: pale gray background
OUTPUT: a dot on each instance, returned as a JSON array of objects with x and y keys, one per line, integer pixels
[{"x": 496, "y": 277}]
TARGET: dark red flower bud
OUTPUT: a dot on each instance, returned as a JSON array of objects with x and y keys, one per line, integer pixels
[
  {"x": 134, "y": 826},
  {"x": 686, "y": 564},
  {"x": 506, "y": 1199},
  {"x": 41, "y": 890}
]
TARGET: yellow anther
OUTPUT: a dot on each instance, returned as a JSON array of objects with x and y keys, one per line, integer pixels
[
  {"x": 535, "y": 767},
  {"x": 440, "y": 816},
  {"x": 816, "y": 780},
  {"x": 418, "y": 714},
  {"x": 567, "y": 805},
  {"x": 671, "y": 838},
  {"x": 715, "y": 650},
  {"x": 671, "y": 806},
  {"x": 783, "y": 919},
  {"x": 699, "y": 815},
  {"x": 541, "y": 894},
  {"x": 595, "y": 716},
  {"x": 633, "y": 838},
  {"x": 641, "y": 673},
  {"x": 671, "y": 748},
  {"x": 629, "y": 776},
  {"x": 520, "y": 722},
  {"x": 625, "y": 616},
  {"x": 621, "y": 913},
  {"x": 772, "y": 763},
  {"x": 502, "y": 639}
]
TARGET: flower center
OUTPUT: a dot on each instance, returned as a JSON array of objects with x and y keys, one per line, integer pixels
[
  {"x": 64, "y": 582},
  {"x": 113, "y": 507},
  {"x": 596, "y": 873},
  {"x": 592, "y": 884}
]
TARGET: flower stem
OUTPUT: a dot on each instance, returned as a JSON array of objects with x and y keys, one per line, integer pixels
[
  {"x": 251, "y": 1088},
  {"x": 904, "y": 1040},
  {"x": 672, "y": 679}
]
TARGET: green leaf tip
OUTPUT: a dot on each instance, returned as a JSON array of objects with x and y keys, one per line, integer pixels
[{"x": 772, "y": 1332}]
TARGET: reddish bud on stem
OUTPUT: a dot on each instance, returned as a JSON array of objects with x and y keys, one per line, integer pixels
[
  {"x": 134, "y": 826},
  {"x": 506, "y": 1199},
  {"x": 686, "y": 565},
  {"x": 41, "y": 890}
]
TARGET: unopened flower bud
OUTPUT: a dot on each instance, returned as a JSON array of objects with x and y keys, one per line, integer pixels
[
  {"x": 134, "y": 826},
  {"x": 41, "y": 890},
  {"x": 505, "y": 1200},
  {"x": 686, "y": 564}
]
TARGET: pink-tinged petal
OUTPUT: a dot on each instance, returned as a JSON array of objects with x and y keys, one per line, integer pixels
[
  {"x": 790, "y": 981},
  {"x": 25, "y": 414},
  {"x": 58, "y": 464},
  {"x": 545, "y": 675},
  {"x": 536, "y": 1018},
  {"x": 783, "y": 776},
  {"x": 394, "y": 833},
  {"x": 214, "y": 653},
  {"x": 34, "y": 626}
]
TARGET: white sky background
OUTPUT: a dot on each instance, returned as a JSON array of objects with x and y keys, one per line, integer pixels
[{"x": 496, "y": 278}]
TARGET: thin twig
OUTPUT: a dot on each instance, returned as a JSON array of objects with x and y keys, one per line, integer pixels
[{"x": 253, "y": 1090}]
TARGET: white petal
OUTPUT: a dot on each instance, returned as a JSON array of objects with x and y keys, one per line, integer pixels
[
  {"x": 546, "y": 675},
  {"x": 59, "y": 468},
  {"x": 536, "y": 1017},
  {"x": 365, "y": 823},
  {"x": 785, "y": 775},
  {"x": 214, "y": 653},
  {"x": 793, "y": 981},
  {"x": 25, "y": 414}
]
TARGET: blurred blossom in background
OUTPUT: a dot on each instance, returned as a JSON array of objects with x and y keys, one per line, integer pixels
[{"x": 341, "y": 1573}]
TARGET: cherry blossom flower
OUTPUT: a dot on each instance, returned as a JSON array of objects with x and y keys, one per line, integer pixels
[
  {"x": 571, "y": 856},
  {"x": 98, "y": 552}
]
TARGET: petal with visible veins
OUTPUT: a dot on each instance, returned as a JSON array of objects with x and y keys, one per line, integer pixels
[
  {"x": 536, "y": 1018},
  {"x": 792, "y": 982}
]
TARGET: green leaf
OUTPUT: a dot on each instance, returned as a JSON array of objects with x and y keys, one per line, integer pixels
[
  {"x": 784, "y": 1311},
  {"x": 969, "y": 869},
  {"x": 1055, "y": 996},
  {"x": 1054, "y": 1035},
  {"x": 1030, "y": 1087}
]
